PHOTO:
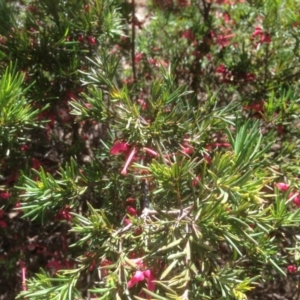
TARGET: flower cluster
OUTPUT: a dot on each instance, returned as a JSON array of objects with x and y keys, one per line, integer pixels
[
  {"x": 143, "y": 274},
  {"x": 260, "y": 37},
  {"x": 234, "y": 77}
]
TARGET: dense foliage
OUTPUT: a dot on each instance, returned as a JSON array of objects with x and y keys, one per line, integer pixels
[{"x": 148, "y": 150}]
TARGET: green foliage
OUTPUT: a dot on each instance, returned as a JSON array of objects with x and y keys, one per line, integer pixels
[
  {"x": 45, "y": 287},
  {"x": 16, "y": 114},
  {"x": 45, "y": 193}
]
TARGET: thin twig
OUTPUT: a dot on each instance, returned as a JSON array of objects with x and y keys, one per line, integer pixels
[{"x": 23, "y": 270}]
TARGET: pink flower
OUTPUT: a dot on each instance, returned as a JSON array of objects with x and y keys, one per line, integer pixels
[
  {"x": 187, "y": 150},
  {"x": 227, "y": 18},
  {"x": 123, "y": 147},
  {"x": 264, "y": 37},
  {"x": 292, "y": 269},
  {"x": 221, "y": 69},
  {"x": 257, "y": 31},
  {"x": 137, "y": 277},
  {"x": 186, "y": 147},
  {"x": 1, "y": 213},
  {"x": 152, "y": 61},
  {"x": 130, "y": 210},
  {"x": 89, "y": 105},
  {"x": 126, "y": 221},
  {"x": 150, "y": 151},
  {"x": 119, "y": 147},
  {"x": 91, "y": 40},
  {"x": 128, "y": 161},
  {"x": 296, "y": 198},
  {"x": 138, "y": 57},
  {"x": 224, "y": 40},
  {"x": 226, "y": 74},
  {"x": 140, "y": 276},
  {"x": 283, "y": 187},
  {"x": 23, "y": 269},
  {"x": 150, "y": 278}
]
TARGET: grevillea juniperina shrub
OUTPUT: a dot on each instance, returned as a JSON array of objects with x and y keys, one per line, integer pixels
[{"x": 148, "y": 156}]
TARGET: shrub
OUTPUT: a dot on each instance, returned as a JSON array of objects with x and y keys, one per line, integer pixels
[{"x": 150, "y": 159}]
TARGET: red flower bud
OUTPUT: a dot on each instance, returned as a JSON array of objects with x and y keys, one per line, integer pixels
[
  {"x": 283, "y": 187},
  {"x": 130, "y": 210},
  {"x": 292, "y": 269},
  {"x": 4, "y": 195},
  {"x": 91, "y": 40},
  {"x": 130, "y": 200},
  {"x": 296, "y": 198}
]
